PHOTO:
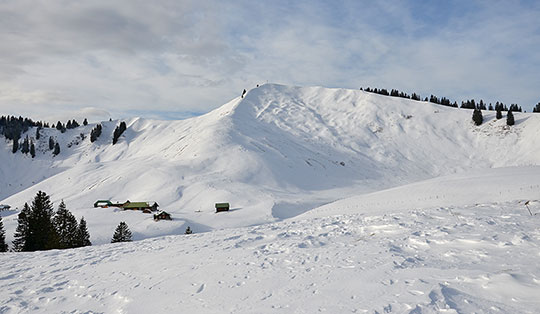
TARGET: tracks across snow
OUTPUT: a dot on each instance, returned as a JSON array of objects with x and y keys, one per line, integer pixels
[{"x": 479, "y": 258}]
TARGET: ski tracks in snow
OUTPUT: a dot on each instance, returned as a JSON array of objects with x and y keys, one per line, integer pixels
[{"x": 480, "y": 258}]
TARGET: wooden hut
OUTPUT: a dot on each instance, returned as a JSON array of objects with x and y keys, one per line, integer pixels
[
  {"x": 145, "y": 207},
  {"x": 102, "y": 203},
  {"x": 162, "y": 216},
  {"x": 222, "y": 207}
]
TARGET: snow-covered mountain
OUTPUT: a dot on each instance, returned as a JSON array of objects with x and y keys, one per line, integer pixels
[
  {"x": 274, "y": 154},
  {"x": 342, "y": 202}
]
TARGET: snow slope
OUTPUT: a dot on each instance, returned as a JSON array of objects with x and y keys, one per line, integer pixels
[
  {"x": 465, "y": 259},
  {"x": 274, "y": 154},
  {"x": 473, "y": 187}
]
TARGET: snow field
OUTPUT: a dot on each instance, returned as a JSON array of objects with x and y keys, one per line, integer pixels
[{"x": 478, "y": 258}]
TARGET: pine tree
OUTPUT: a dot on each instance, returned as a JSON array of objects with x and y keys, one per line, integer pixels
[
  {"x": 21, "y": 233},
  {"x": 66, "y": 227},
  {"x": 85, "y": 122},
  {"x": 25, "y": 147},
  {"x": 536, "y": 108},
  {"x": 41, "y": 232},
  {"x": 15, "y": 145},
  {"x": 510, "y": 118},
  {"x": 3, "y": 244},
  {"x": 499, "y": 114},
  {"x": 51, "y": 143},
  {"x": 118, "y": 131},
  {"x": 32, "y": 150},
  {"x": 122, "y": 233},
  {"x": 188, "y": 230},
  {"x": 56, "y": 149},
  {"x": 83, "y": 236},
  {"x": 95, "y": 133},
  {"x": 38, "y": 135},
  {"x": 477, "y": 116}
]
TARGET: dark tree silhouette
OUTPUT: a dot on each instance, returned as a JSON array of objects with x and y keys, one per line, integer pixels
[
  {"x": 477, "y": 117},
  {"x": 56, "y": 149},
  {"x": 21, "y": 233},
  {"x": 3, "y": 244},
  {"x": 66, "y": 227},
  {"x": 42, "y": 234},
  {"x": 510, "y": 118},
  {"x": 83, "y": 236},
  {"x": 122, "y": 233}
]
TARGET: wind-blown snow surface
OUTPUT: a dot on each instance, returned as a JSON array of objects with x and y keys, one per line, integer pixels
[
  {"x": 424, "y": 213},
  {"x": 274, "y": 154},
  {"x": 468, "y": 259}
]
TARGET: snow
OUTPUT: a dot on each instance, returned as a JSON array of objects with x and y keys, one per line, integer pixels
[
  {"x": 476, "y": 258},
  {"x": 341, "y": 201}
]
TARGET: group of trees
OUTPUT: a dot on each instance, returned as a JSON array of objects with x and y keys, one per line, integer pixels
[
  {"x": 39, "y": 227},
  {"x": 70, "y": 124},
  {"x": 118, "y": 131},
  {"x": 478, "y": 118},
  {"x": 469, "y": 104},
  {"x": 95, "y": 133},
  {"x": 12, "y": 128}
]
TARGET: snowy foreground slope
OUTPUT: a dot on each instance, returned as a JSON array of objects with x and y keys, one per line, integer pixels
[
  {"x": 278, "y": 152},
  {"x": 467, "y": 259}
]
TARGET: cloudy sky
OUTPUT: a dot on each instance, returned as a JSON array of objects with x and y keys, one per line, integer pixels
[{"x": 175, "y": 59}]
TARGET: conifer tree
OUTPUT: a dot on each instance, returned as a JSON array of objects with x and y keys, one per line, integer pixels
[
  {"x": 66, "y": 227},
  {"x": 85, "y": 122},
  {"x": 56, "y": 149},
  {"x": 83, "y": 236},
  {"x": 32, "y": 149},
  {"x": 118, "y": 131},
  {"x": 3, "y": 244},
  {"x": 21, "y": 233},
  {"x": 510, "y": 118},
  {"x": 25, "y": 148},
  {"x": 477, "y": 116},
  {"x": 15, "y": 145},
  {"x": 188, "y": 230},
  {"x": 122, "y": 233},
  {"x": 95, "y": 133},
  {"x": 51, "y": 143},
  {"x": 498, "y": 115},
  {"x": 38, "y": 135},
  {"x": 41, "y": 232}
]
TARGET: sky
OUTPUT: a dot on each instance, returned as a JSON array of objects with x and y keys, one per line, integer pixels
[{"x": 176, "y": 59}]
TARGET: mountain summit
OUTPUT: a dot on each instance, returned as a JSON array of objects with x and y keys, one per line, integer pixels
[{"x": 275, "y": 153}]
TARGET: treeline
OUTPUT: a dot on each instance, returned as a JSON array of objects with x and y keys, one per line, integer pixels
[
  {"x": 478, "y": 118},
  {"x": 13, "y": 128},
  {"x": 468, "y": 104}
]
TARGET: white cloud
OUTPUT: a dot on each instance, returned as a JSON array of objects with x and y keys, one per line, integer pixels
[{"x": 173, "y": 58}]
